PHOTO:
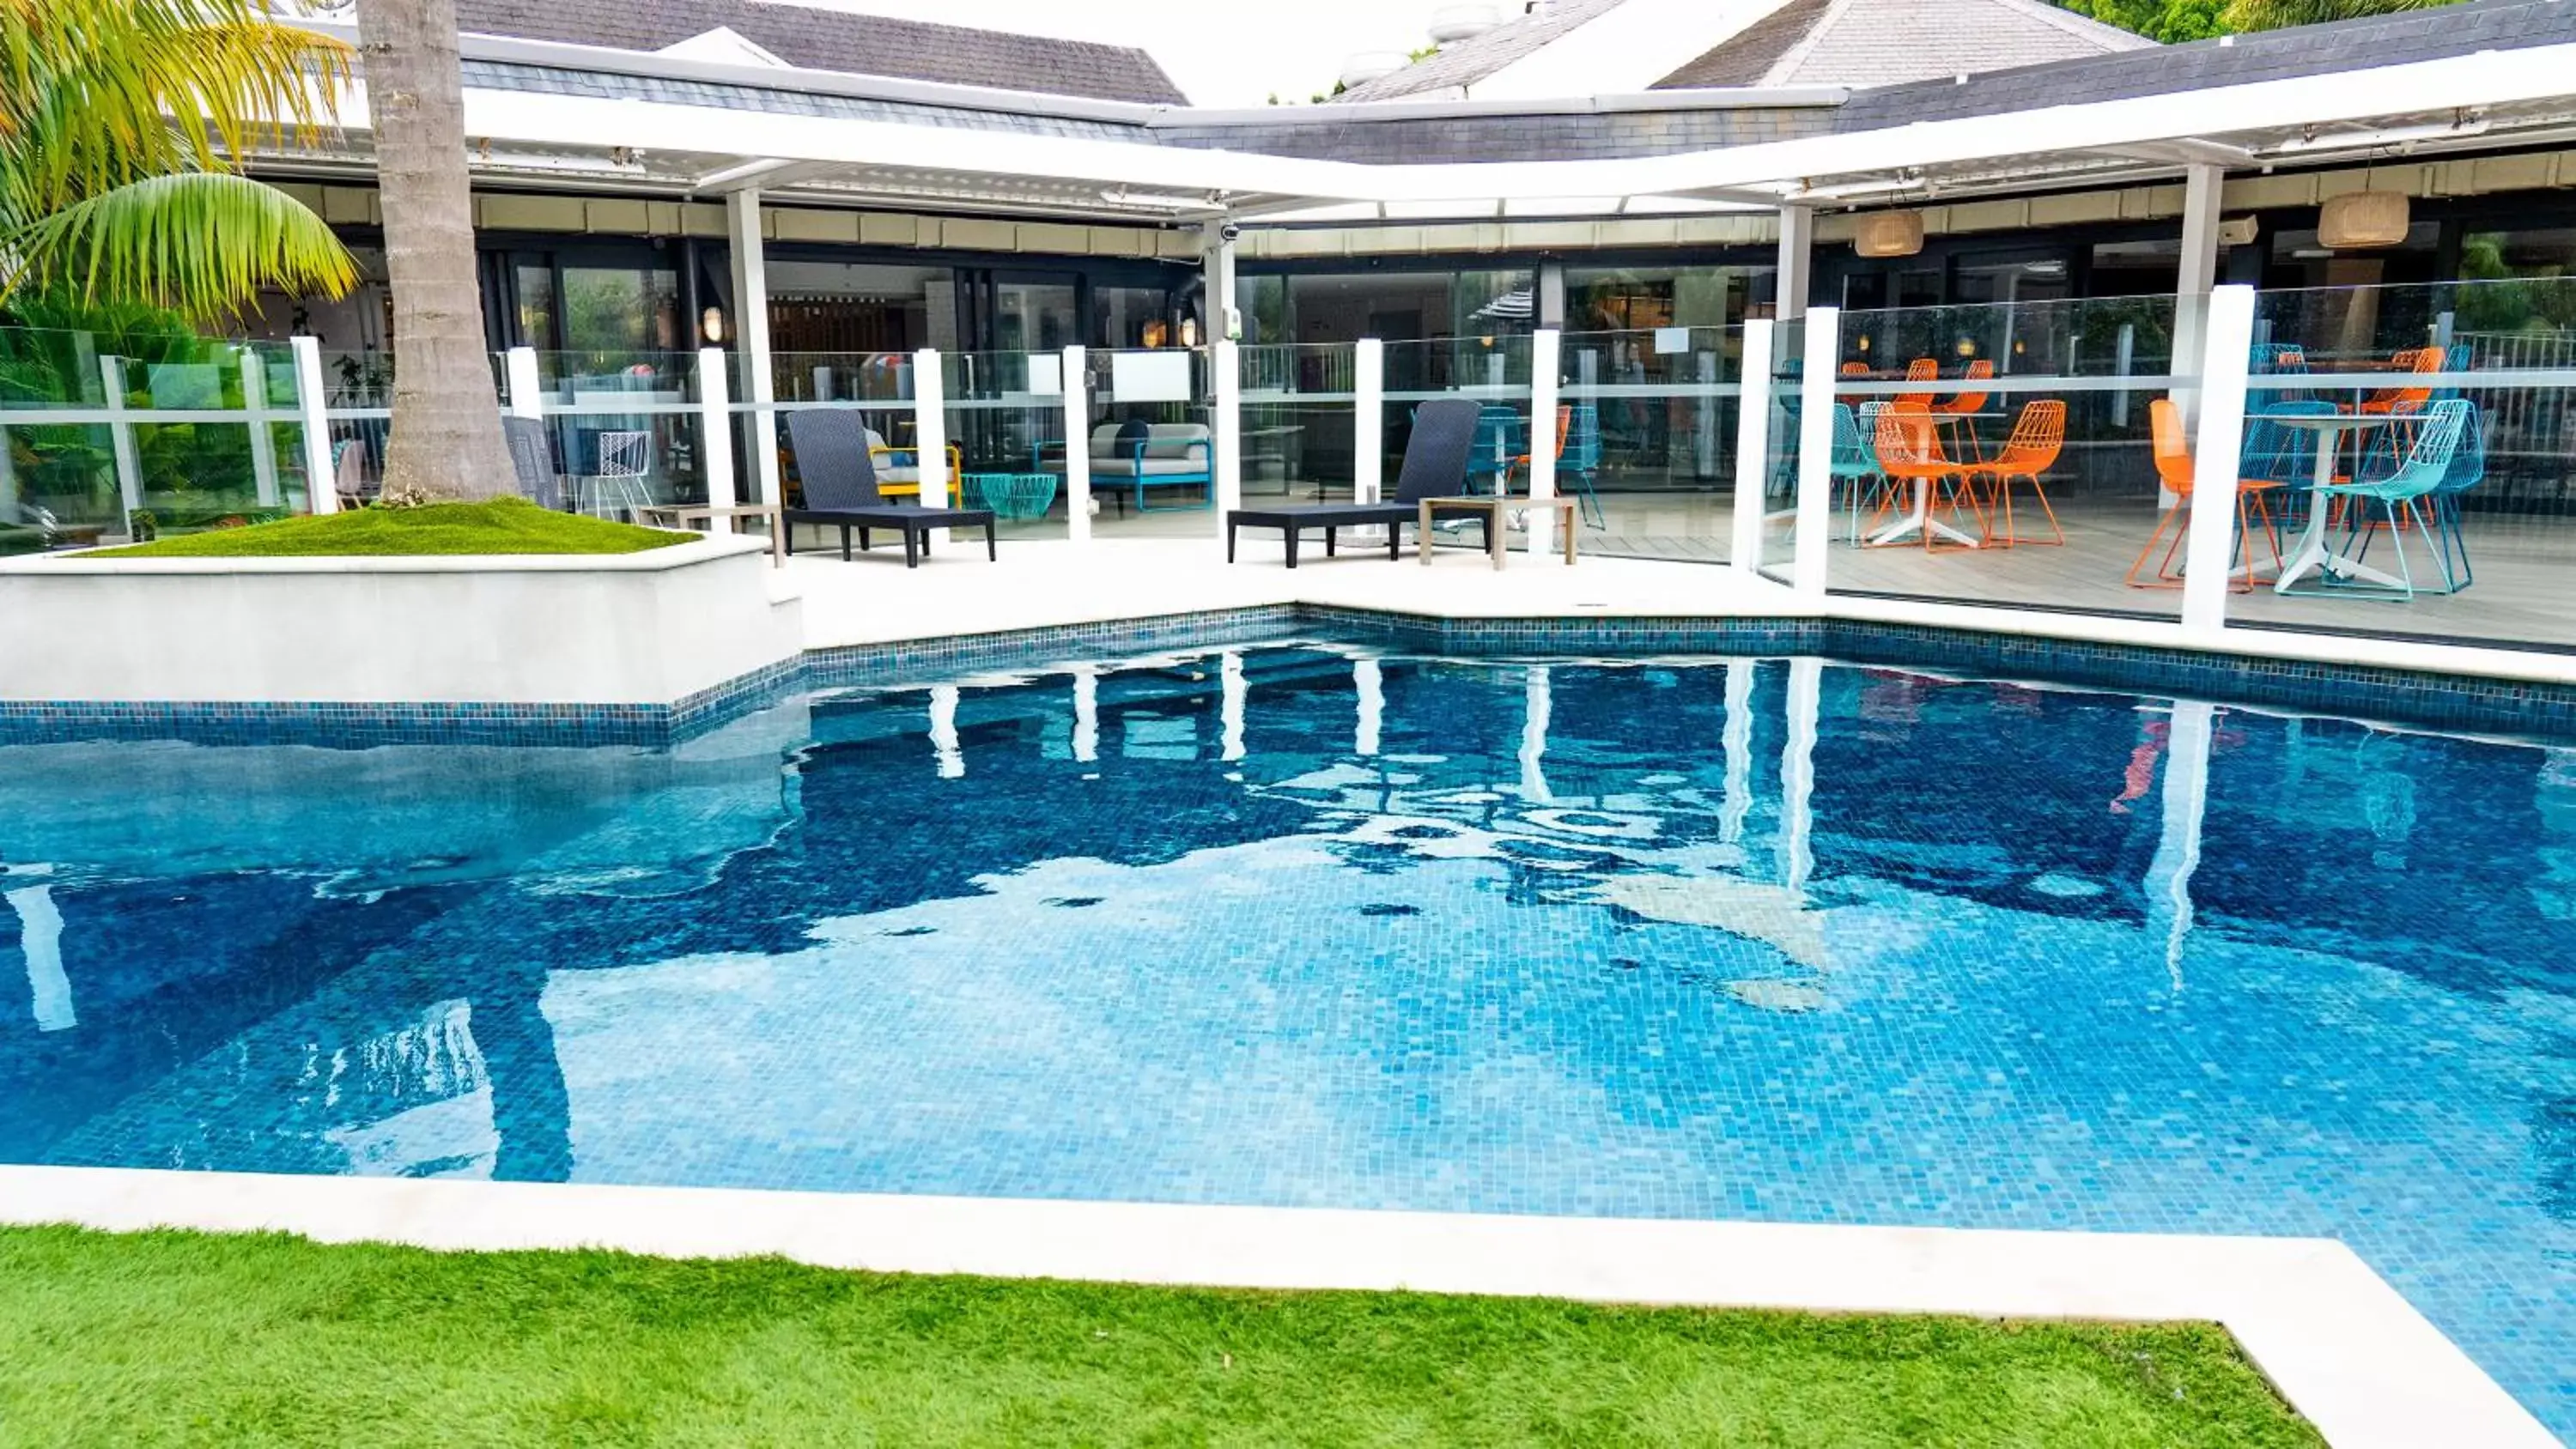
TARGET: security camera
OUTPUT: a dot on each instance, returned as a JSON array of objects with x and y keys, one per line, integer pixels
[{"x": 1229, "y": 231}]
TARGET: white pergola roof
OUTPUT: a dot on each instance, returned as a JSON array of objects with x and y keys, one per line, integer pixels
[{"x": 2488, "y": 100}]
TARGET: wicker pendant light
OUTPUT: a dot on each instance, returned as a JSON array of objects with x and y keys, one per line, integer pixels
[
  {"x": 1889, "y": 234},
  {"x": 2364, "y": 220}
]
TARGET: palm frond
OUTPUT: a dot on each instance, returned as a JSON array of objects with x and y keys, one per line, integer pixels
[
  {"x": 102, "y": 92},
  {"x": 202, "y": 242}
]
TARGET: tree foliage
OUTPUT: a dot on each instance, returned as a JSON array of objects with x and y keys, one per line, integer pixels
[
  {"x": 2172, "y": 22},
  {"x": 121, "y": 127}
]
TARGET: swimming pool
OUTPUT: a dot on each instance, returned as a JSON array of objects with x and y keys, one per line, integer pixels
[{"x": 1305, "y": 924}]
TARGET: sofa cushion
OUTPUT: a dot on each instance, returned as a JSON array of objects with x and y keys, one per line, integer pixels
[{"x": 1150, "y": 469}]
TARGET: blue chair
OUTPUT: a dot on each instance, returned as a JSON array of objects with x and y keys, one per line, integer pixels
[
  {"x": 2402, "y": 494},
  {"x": 2280, "y": 359},
  {"x": 1854, "y": 465},
  {"x": 2276, "y": 453},
  {"x": 2468, "y": 469}
]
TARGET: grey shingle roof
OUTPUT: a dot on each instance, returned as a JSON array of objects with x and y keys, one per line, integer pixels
[
  {"x": 1746, "y": 58},
  {"x": 670, "y": 90},
  {"x": 2349, "y": 45},
  {"x": 836, "y": 40},
  {"x": 1465, "y": 62},
  {"x": 1886, "y": 42}
]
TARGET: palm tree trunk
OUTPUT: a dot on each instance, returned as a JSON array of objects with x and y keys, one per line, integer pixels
[{"x": 446, "y": 440}]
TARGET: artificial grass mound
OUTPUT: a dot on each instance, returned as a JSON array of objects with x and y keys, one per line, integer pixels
[
  {"x": 179, "y": 1338},
  {"x": 496, "y": 526}
]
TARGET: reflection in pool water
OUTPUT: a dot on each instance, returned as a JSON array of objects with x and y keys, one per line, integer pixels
[{"x": 1299, "y": 925}]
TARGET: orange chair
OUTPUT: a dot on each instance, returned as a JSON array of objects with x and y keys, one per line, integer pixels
[
  {"x": 2038, "y": 436},
  {"x": 1909, "y": 453},
  {"x": 1921, "y": 369},
  {"x": 1964, "y": 406},
  {"x": 2422, "y": 362},
  {"x": 1564, "y": 425},
  {"x": 2174, "y": 466},
  {"x": 1969, "y": 402},
  {"x": 1855, "y": 369}
]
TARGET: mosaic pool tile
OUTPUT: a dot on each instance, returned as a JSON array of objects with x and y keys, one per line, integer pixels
[{"x": 1379, "y": 921}]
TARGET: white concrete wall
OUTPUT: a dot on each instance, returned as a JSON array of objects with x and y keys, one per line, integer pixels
[{"x": 646, "y": 628}]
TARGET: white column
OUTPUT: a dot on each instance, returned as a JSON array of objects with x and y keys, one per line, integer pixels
[
  {"x": 1232, "y": 692},
  {"x": 1368, "y": 421},
  {"x": 715, "y": 426},
  {"x": 1798, "y": 774},
  {"x": 1077, "y": 445},
  {"x": 2186, "y": 803},
  {"x": 1368, "y": 677},
  {"x": 1536, "y": 705},
  {"x": 1225, "y": 364},
  {"x": 1815, "y": 451},
  {"x": 527, "y": 394},
  {"x": 1216, "y": 264},
  {"x": 1796, "y": 261},
  {"x": 263, "y": 444},
  {"x": 1735, "y": 739},
  {"x": 751, "y": 335},
  {"x": 2201, "y": 198},
  {"x": 943, "y": 732},
  {"x": 129, "y": 469},
  {"x": 1545, "y": 350},
  {"x": 1752, "y": 450},
  {"x": 1547, "y": 304},
  {"x": 321, "y": 489},
  {"x": 2210, "y": 551}
]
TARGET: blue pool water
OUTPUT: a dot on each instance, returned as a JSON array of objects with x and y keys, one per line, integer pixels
[{"x": 1300, "y": 925}]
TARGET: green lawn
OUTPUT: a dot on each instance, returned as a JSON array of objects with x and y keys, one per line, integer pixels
[
  {"x": 503, "y": 525},
  {"x": 172, "y": 1338}
]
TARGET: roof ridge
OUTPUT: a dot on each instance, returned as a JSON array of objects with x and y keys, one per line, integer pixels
[
  {"x": 1796, "y": 55},
  {"x": 2083, "y": 26}
]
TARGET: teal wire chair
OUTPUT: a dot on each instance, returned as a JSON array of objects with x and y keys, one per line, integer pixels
[
  {"x": 1499, "y": 444},
  {"x": 1854, "y": 465},
  {"x": 2402, "y": 496},
  {"x": 2468, "y": 469}
]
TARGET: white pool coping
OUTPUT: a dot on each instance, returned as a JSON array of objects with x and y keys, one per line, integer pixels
[{"x": 2340, "y": 1344}]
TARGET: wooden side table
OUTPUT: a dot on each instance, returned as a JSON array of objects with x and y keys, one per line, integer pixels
[
  {"x": 1491, "y": 507},
  {"x": 681, "y": 515}
]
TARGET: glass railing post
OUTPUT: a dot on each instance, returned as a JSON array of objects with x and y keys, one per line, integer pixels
[
  {"x": 527, "y": 393},
  {"x": 930, "y": 426},
  {"x": 1752, "y": 450},
  {"x": 715, "y": 426},
  {"x": 312, "y": 407},
  {"x": 129, "y": 469},
  {"x": 2209, "y": 558},
  {"x": 1225, "y": 362},
  {"x": 1368, "y": 420},
  {"x": 1817, "y": 367},
  {"x": 930, "y": 434},
  {"x": 263, "y": 443},
  {"x": 1077, "y": 445},
  {"x": 1545, "y": 348}
]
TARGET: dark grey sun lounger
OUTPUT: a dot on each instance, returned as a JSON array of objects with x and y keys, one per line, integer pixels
[
  {"x": 841, "y": 490},
  {"x": 1435, "y": 466}
]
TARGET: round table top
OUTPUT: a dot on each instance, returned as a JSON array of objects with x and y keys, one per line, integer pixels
[{"x": 2327, "y": 422}]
